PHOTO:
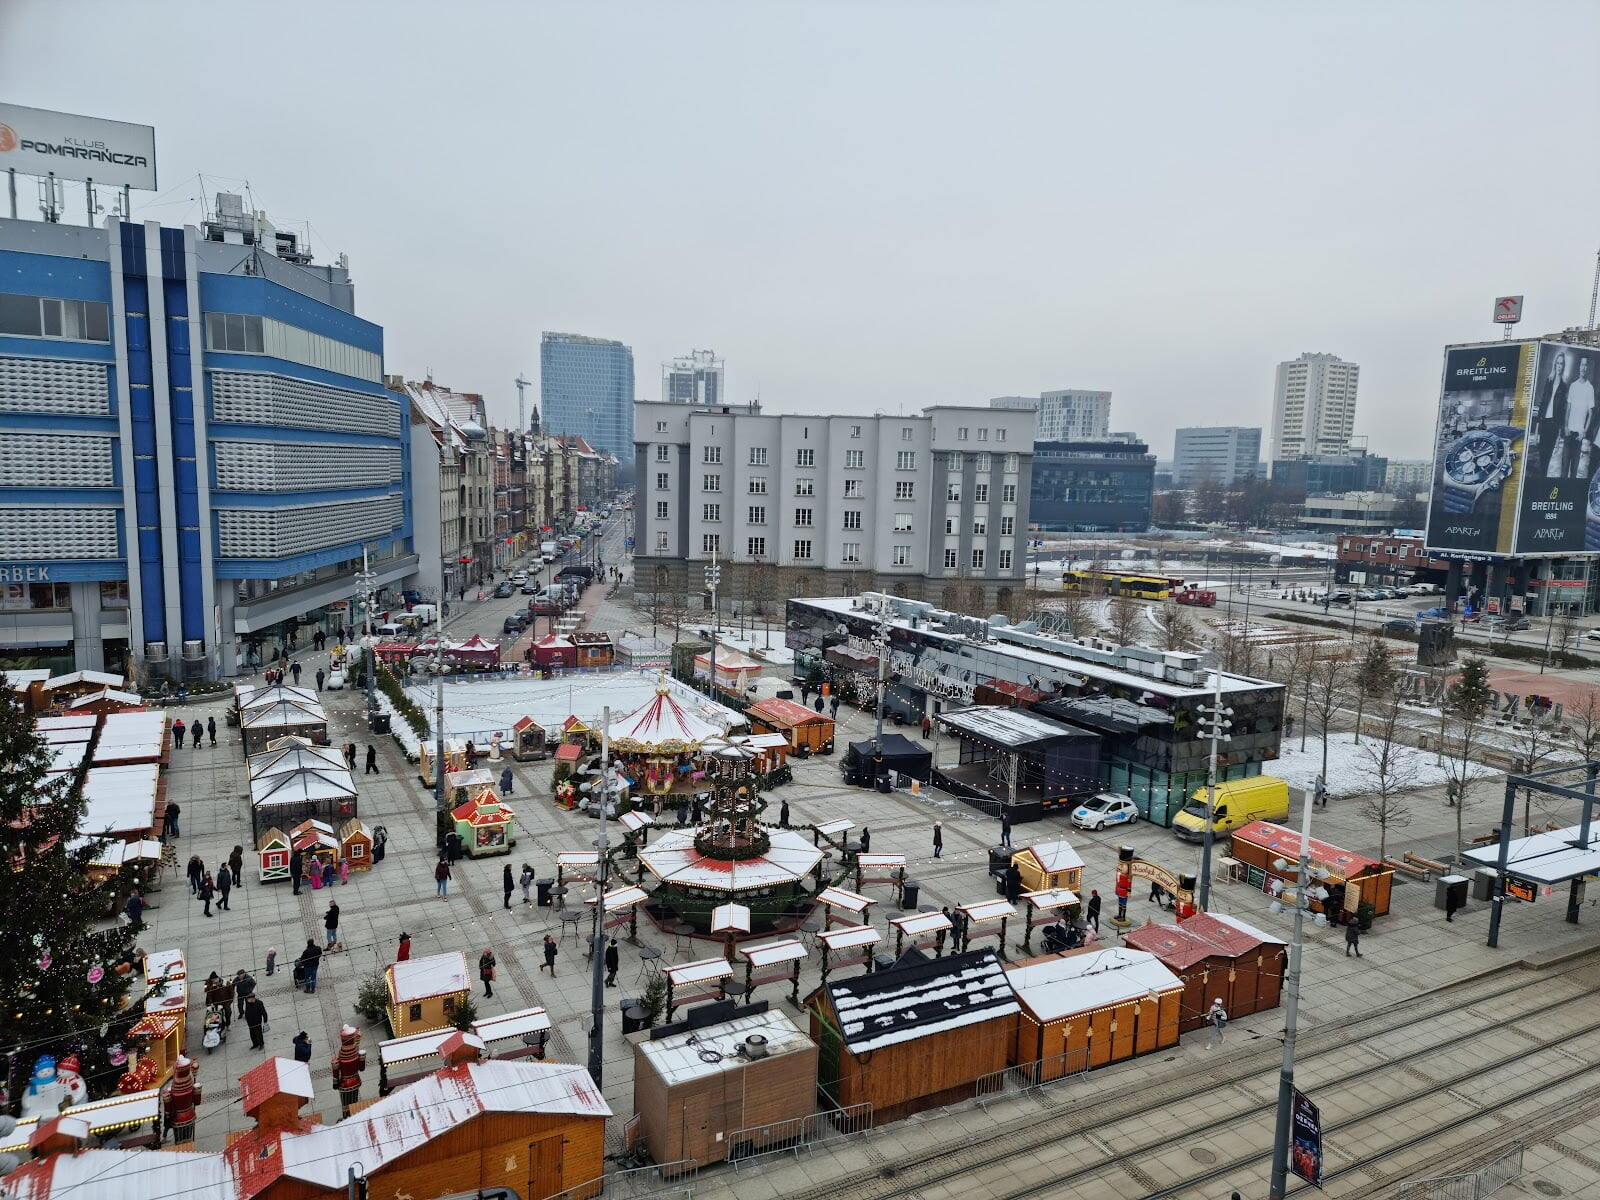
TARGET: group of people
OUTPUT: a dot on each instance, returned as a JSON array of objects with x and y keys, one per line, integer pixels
[
  {"x": 206, "y": 887},
  {"x": 372, "y": 758},
  {"x": 197, "y": 729},
  {"x": 325, "y": 872}
]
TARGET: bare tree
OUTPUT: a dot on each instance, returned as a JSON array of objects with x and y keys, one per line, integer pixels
[
  {"x": 1079, "y": 610},
  {"x": 1533, "y": 741},
  {"x": 1584, "y": 719},
  {"x": 1236, "y": 650},
  {"x": 1328, "y": 679},
  {"x": 1374, "y": 677},
  {"x": 1466, "y": 705},
  {"x": 1125, "y": 619},
  {"x": 1392, "y": 767},
  {"x": 1177, "y": 631}
]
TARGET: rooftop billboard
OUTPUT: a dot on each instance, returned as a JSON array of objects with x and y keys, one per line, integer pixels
[{"x": 39, "y": 141}]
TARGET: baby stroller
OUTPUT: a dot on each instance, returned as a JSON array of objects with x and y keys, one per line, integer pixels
[{"x": 216, "y": 1028}]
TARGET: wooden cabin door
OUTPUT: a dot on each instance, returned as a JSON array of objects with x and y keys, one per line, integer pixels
[{"x": 544, "y": 1168}]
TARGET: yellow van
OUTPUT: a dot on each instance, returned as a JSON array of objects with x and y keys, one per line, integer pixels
[{"x": 1238, "y": 802}]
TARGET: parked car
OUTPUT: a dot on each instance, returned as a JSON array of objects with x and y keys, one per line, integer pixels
[
  {"x": 504, "y": 588},
  {"x": 1434, "y": 614},
  {"x": 1339, "y": 598},
  {"x": 545, "y": 608},
  {"x": 530, "y": 588},
  {"x": 519, "y": 576},
  {"x": 1398, "y": 625},
  {"x": 1108, "y": 808},
  {"x": 1515, "y": 623}
]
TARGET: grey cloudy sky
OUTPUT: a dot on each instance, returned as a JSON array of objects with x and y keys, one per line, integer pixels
[{"x": 877, "y": 205}]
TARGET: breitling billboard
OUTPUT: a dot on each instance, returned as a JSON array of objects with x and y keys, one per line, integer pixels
[{"x": 1516, "y": 467}]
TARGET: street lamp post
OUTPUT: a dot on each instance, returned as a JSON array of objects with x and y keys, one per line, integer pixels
[
  {"x": 714, "y": 577},
  {"x": 368, "y": 665},
  {"x": 1217, "y": 722},
  {"x": 600, "y": 789},
  {"x": 882, "y": 643},
  {"x": 1280, "y": 1143},
  {"x": 438, "y": 719}
]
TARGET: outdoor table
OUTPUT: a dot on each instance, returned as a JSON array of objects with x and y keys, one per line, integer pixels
[{"x": 649, "y": 963}]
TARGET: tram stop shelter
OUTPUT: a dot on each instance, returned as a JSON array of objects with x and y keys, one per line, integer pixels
[{"x": 1569, "y": 855}]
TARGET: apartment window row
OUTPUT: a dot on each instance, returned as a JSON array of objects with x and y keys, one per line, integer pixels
[
  {"x": 963, "y": 433},
  {"x": 40, "y": 316},
  {"x": 246, "y": 333}
]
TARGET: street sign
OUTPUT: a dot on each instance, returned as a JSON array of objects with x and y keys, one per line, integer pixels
[{"x": 1521, "y": 889}]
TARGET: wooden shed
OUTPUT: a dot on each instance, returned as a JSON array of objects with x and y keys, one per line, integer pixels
[
  {"x": 916, "y": 1035},
  {"x": 805, "y": 730},
  {"x": 1049, "y": 865},
  {"x": 594, "y": 648},
  {"x": 272, "y": 854},
  {"x": 486, "y": 823},
  {"x": 1086, "y": 1008},
  {"x": 355, "y": 845},
  {"x": 1356, "y": 879},
  {"x": 723, "y": 1082},
  {"x": 424, "y": 993},
  {"x": 1218, "y": 957},
  {"x": 529, "y": 742}
]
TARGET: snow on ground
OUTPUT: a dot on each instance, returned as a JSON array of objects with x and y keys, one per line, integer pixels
[
  {"x": 1350, "y": 766},
  {"x": 758, "y": 642}
]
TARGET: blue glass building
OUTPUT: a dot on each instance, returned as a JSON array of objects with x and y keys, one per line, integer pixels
[
  {"x": 195, "y": 445},
  {"x": 586, "y": 388}
]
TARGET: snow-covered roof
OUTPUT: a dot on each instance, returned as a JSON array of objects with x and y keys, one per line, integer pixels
[
  {"x": 837, "y": 897},
  {"x": 674, "y": 858},
  {"x": 117, "y": 854},
  {"x": 259, "y": 695},
  {"x": 108, "y": 695},
  {"x": 294, "y": 772},
  {"x": 850, "y": 936},
  {"x": 1285, "y": 842},
  {"x": 511, "y": 1025},
  {"x": 768, "y": 954},
  {"x": 97, "y": 679},
  {"x": 918, "y": 997},
  {"x": 1054, "y": 856},
  {"x": 21, "y": 680},
  {"x": 102, "y": 1116},
  {"x": 432, "y": 975},
  {"x": 1050, "y": 898},
  {"x": 713, "y": 1049},
  {"x": 275, "y": 1076},
  {"x": 918, "y": 924},
  {"x": 1552, "y": 857},
  {"x": 134, "y": 1175},
  {"x": 987, "y": 910},
  {"x": 702, "y": 970},
  {"x": 119, "y": 799},
  {"x": 1086, "y": 980},
  {"x": 1002, "y": 725},
  {"x": 129, "y": 736},
  {"x": 730, "y": 918}
]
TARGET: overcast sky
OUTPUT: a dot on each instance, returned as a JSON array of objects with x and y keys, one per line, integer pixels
[{"x": 883, "y": 205}]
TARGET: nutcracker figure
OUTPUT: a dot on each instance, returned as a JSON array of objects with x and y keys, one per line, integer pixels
[
  {"x": 183, "y": 1095},
  {"x": 348, "y": 1064}
]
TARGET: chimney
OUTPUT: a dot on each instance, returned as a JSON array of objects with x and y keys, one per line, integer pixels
[
  {"x": 274, "y": 1092},
  {"x": 59, "y": 1135},
  {"x": 460, "y": 1048}
]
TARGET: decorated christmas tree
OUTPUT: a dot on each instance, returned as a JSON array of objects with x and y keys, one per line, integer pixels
[{"x": 64, "y": 975}]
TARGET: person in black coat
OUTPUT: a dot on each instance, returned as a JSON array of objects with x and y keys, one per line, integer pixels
[
  {"x": 224, "y": 886},
  {"x": 302, "y": 1046},
  {"x": 1013, "y": 883},
  {"x": 372, "y": 760},
  {"x": 613, "y": 960},
  {"x": 783, "y": 814},
  {"x": 255, "y": 1017},
  {"x": 1094, "y": 910},
  {"x": 866, "y": 840},
  {"x": 297, "y": 864},
  {"x": 508, "y": 884}
]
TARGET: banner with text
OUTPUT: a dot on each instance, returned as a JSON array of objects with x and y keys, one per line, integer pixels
[
  {"x": 1560, "y": 505},
  {"x": 1479, "y": 447}
]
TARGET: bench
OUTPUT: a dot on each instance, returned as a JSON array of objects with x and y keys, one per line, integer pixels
[
  {"x": 1406, "y": 868},
  {"x": 1417, "y": 860}
]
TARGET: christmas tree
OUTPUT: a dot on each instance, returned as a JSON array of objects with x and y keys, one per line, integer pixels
[{"x": 61, "y": 990}]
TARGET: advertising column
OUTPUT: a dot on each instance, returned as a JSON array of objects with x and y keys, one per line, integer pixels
[
  {"x": 1560, "y": 504},
  {"x": 1479, "y": 448}
]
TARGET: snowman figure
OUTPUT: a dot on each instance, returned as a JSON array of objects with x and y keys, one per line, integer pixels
[
  {"x": 69, "y": 1075},
  {"x": 45, "y": 1094}
]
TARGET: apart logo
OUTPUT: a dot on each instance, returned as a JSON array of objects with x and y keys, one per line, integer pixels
[{"x": 8, "y": 138}]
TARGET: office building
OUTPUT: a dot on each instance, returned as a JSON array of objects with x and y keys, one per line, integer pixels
[
  {"x": 1406, "y": 476},
  {"x": 586, "y": 390},
  {"x": 1330, "y": 474},
  {"x": 695, "y": 378},
  {"x": 1092, "y": 487},
  {"x": 1314, "y": 406},
  {"x": 796, "y": 503},
  {"x": 196, "y": 444},
  {"x": 1068, "y": 415},
  {"x": 1353, "y": 512},
  {"x": 1224, "y": 454}
]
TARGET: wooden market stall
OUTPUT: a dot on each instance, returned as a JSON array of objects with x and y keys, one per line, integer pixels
[
  {"x": 1045, "y": 865},
  {"x": 594, "y": 648},
  {"x": 1086, "y": 1008},
  {"x": 1353, "y": 877},
  {"x": 355, "y": 845},
  {"x": 722, "y": 1083},
  {"x": 272, "y": 854},
  {"x": 913, "y": 1036},
  {"x": 132, "y": 737},
  {"x": 529, "y": 741},
  {"x": 424, "y": 993},
  {"x": 165, "y": 1021},
  {"x": 123, "y": 802},
  {"x": 735, "y": 671},
  {"x": 316, "y": 841},
  {"x": 553, "y": 651},
  {"x": 807, "y": 732},
  {"x": 1217, "y": 957},
  {"x": 462, "y": 785},
  {"x": 520, "y": 1034},
  {"x": 455, "y": 757},
  {"x": 60, "y": 691},
  {"x": 486, "y": 824}
]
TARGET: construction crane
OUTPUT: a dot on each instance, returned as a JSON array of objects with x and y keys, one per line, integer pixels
[
  {"x": 522, "y": 403},
  {"x": 1594, "y": 292}
]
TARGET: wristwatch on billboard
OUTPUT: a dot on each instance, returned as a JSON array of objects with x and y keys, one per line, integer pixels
[{"x": 1475, "y": 463}]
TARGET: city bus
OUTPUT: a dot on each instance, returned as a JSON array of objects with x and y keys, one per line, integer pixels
[{"x": 1111, "y": 583}]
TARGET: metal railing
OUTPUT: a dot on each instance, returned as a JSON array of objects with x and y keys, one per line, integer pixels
[
  {"x": 798, "y": 1134},
  {"x": 1032, "y": 1076},
  {"x": 660, "y": 1181},
  {"x": 1504, "y": 1168}
]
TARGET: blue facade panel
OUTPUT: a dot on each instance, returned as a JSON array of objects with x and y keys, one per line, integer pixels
[
  {"x": 53, "y": 275},
  {"x": 252, "y": 294}
]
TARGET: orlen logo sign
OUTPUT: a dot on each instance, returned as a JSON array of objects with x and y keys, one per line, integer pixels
[{"x": 8, "y": 138}]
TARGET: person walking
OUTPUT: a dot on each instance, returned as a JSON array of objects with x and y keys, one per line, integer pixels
[
  {"x": 402, "y": 952},
  {"x": 294, "y": 669},
  {"x": 507, "y": 885},
  {"x": 486, "y": 965},
  {"x": 866, "y": 840},
  {"x": 195, "y": 871},
  {"x": 244, "y": 987},
  {"x": 208, "y": 889},
  {"x": 527, "y": 883},
  {"x": 1005, "y": 829},
  {"x": 236, "y": 865},
  {"x": 169, "y": 821},
  {"x": 321, "y": 676},
  {"x": 613, "y": 960},
  {"x": 199, "y": 731},
  {"x": 833, "y": 707},
  {"x": 309, "y": 962},
  {"x": 179, "y": 732},
  {"x": 441, "y": 878},
  {"x": 783, "y": 813},
  {"x": 938, "y": 839},
  {"x": 134, "y": 908},
  {"x": 302, "y": 1047},
  {"x": 817, "y": 703},
  {"x": 255, "y": 1018},
  {"x": 1217, "y": 1019},
  {"x": 505, "y": 781},
  {"x": 224, "y": 886},
  {"x": 297, "y": 864},
  {"x": 211, "y": 731},
  {"x": 1451, "y": 904},
  {"x": 1094, "y": 909},
  {"x": 372, "y": 760},
  {"x": 927, "y": 727},
  {"x": 452, "y": 847},
  {"x": 550, "y": 952},
  {"x": 350, "y": 756},
  {"x": 1352, "y": 938},
  {"x": 330, "y": 922}
]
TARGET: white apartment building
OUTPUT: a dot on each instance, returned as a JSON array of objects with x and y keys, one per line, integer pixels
[
  {"x": 912, "y": 502},
  {"x": 1314, "y": 406},
  {"x": 1412, "y": 475},
  {"x": 1067, "y": 415},
  {"x": 1220, "y": 453},
  {"x": 694, "y": 378}
]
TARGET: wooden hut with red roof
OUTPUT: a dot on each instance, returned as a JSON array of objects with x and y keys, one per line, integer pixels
[
  {"x": 553, "y": 651},
  {"x": 1354, "y": 877},
  {"x": 486, "y": 824},
  {"x": 1218, "y": 957},
  {"x": 808, "y": 732}
]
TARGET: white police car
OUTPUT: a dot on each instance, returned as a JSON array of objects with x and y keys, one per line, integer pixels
[{"x": 1107, "y": 808}]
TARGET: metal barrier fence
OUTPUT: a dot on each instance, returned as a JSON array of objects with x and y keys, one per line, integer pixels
[
  {"x": 1504, "y": 1168},
  {"x": 1030, "y": 1076},
  {"x": 659, "y": 1181},
  {"x": 798, "y": 1133}
]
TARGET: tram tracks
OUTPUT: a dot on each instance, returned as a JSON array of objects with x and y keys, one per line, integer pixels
[{"x": 1031, "y": 1135}]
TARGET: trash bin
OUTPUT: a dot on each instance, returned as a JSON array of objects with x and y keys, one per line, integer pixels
[
  {"x": 910, "y": 893},
  {"x": 1483, "y": 884},
  {"x": 999, "y": 858},
  {"x": 999, "y": 883},
  {"x": 632, "y": 1019},
  {"x": 1450, "y": 891},
  {"x": 882, "y": 962},
  {"x": 379, "y": 722},
  {"x": 544, "y": 886}
]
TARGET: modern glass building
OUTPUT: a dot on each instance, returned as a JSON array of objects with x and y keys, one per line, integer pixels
[
  {"x": 586, "y": 389},
  {"x": 195, "y": 446},
  {"x": 1092, "y": 487}
]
